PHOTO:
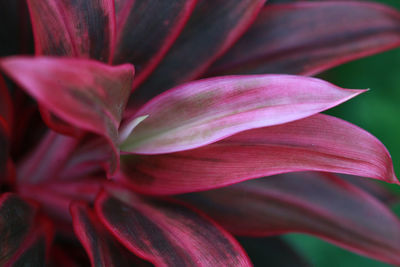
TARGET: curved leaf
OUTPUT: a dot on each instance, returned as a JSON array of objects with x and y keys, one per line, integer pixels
[
  {"x": 79, "y": 28},
  {"x": 202, "y": 112},
  {"x": 85, "y": 93},
  {"x": 313, "y": 203},
  {"x": 320, "y": 143},
  {"x": 167, "y": 234},
  {"x": 300, "y": 38},
  {"x": 135, "y": 19},
  {"x": 212, "y": 28},
  {"x": 102, "y": 248},
  {"x": 47, "y": 159},
  {"x": 35, "y": 248}
]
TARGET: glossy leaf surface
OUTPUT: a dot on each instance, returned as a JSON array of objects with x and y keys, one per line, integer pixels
[
  {"x": 318, "y": 143},
  {"x": 309, "y": 37},
  {"x": 202, "y": 112},
  {"x": 168, "y": 234},
  {"x": 312, "y": 203}
]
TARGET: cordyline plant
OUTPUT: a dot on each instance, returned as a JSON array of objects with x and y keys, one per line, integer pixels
[{"x": 138, "y": 179}]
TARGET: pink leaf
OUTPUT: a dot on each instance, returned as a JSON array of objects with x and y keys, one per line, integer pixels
[
  {"x": 212, "y": 28},
  {"x": 318, "y": 143},
  {"x": 103, "y": 249},
  {"x": 202, "y": 112},
  {"x": 85, "y": 93},
  {"x": 312, "y": 203},
  {"x": 135, "y": 19},
  {"x": 301, "y": 38},
  {"x": 47, "y": 159},
  {"x": 166, "y": 233},
  {"x": 79, "y": 28}
]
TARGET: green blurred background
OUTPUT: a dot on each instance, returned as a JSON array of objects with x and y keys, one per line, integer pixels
[{"x": 377, "y": 111}]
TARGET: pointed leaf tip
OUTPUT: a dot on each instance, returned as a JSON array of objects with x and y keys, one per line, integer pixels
[
  {"x": 201, "y": 112},
  {"x": 316, "y": 143}
]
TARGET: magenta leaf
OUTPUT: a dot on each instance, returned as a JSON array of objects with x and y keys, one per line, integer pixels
[
  {"x": 85, "y": 93},
  {"x": 212, "y": 28},
  {"x": 59, "y": 125},
  {"x": 79, "y": 28},
  {"x": 167, "y": 233},
  {"x": 56, "y": 196},
  {"x": 135, "y": 19},
  {"x": 202, "y": 112},
  {"x": 103, "y": 249},
  {"x": 47, "y": 159},
  {"x": 300, "y": 38},
  {"x": 318, "y": 143},
  {"x": 313, "y": 203}
]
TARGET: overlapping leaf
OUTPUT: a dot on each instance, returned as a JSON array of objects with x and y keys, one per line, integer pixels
[
  {"x": 146, "y": 30},
  {"x": 309, "y": 37},
  {"x": 103, "y": 249},
  {"x": 24, "y": 238},
  {"x": 167, "y": 234},
  {"x": 80, "y": 28},
  {"x": 202, "y": 112},
  {"x": 313, "y": 203},
  {"x": 212, "y": 28},
  {"x": 318, "y": 143},
  {"x": 85, "y": 93}
]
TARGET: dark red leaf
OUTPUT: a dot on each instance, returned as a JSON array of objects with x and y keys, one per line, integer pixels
[
  {"x": 136, "y": 19},
  {"x": 79, "y": 28},
  {"x": 166, "y": 233},
  {"x": 307, "y": 38},
  {"x": 35, "y": 248},
  {"x": 212, "y": 28},
  {"x": 16, "y": 220},
  {"x": 6, "y": 105},
  {"x": 314, "y": 203},
  {"x": 103, "y": 249},
  {"x": 85, "y": 93},
  {"x": 4, "y": 149},
  {"x": 318, "y": 143}
]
